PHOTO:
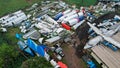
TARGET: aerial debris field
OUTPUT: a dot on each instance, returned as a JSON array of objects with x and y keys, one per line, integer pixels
[{"x": 59, "y": 35}]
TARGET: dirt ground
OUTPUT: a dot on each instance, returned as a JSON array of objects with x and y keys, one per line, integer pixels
[{"x": 71, "y": 59}]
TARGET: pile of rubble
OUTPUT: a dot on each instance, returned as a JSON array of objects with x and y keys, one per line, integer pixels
[
  {"x": 51, "y": 22},
  {"x": 107, "y": 28}
]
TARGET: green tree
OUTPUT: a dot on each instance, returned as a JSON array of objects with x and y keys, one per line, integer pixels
[
  {"x": 36, "y": 62},
  {"x": 7, "y": 56}
]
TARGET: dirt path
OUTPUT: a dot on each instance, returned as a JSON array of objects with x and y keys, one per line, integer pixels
[{"x": 71, "y": 59}]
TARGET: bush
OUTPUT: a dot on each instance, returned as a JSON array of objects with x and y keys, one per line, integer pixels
[
  {"x": 36, "y": 62},
  {"x": 7, "y": 56}
]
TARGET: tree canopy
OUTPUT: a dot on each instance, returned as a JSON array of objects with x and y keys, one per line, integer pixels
[{"x": 36, "y": 62}]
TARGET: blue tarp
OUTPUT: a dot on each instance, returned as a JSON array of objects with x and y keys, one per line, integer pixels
[
  {"x": 24, "y": 47},
  {"x": 91, "y": 64},
  {"x": 43, "y": 46},
  {"x": 27, "y": 24},
  {"x": 35, "y": 47},
  {"x": 18, "y": 36},
  {"x": 90, "y": 15},
  {"x": 81, "y": 18},
  {"x": 110, "y": 45},
  {"x": 58, "y": 16}
]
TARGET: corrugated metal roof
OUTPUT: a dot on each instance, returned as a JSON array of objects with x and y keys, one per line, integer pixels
[{"x": 108, "y": 56}]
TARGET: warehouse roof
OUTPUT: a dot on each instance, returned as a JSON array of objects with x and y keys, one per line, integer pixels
[{"x": 108, "y": 56}]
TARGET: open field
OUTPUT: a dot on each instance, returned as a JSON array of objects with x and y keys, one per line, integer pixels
[
  {"x": 82, "y": 2},
  {"x": 9, "y": 6}
]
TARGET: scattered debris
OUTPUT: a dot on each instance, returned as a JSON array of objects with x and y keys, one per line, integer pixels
[{"x": 49, "y": 23}]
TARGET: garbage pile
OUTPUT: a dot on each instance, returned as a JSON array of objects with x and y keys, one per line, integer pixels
[
  {"x": 11, "y": 20},
  {"x": 70, "y": 18},
  {"x": 45, "y": 30},
  {"x": 102, "y": 33},
  {"x": 56, "y": 21}
]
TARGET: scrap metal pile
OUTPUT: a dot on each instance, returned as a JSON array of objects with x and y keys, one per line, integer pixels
[
  {"x": 101, "y": 32},
  {"x": 56, "y": 21}
]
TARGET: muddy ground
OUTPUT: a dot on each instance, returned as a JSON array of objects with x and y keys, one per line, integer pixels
[{"x": 72, "y": 58}]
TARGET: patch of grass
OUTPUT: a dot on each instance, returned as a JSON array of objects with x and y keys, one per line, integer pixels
[
  {"x": 10, "y": 35},
  {"x": 81, "y": 2},
  {"x": 9, "y": 6},
  {"x": 9, "y": 46}
]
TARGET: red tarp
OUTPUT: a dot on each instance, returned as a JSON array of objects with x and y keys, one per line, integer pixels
[
  {"x": 62, "y": 65},
  {"x": 66, "y": 26}
]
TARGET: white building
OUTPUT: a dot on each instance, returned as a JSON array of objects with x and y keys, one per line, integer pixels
[{"x": 13, "y": 19}]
